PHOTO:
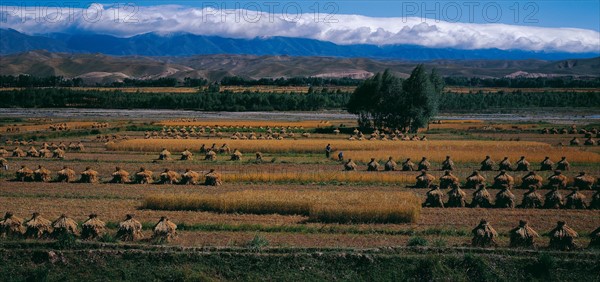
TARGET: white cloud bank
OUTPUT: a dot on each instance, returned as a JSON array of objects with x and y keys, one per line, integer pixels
[{"x": 339, "y": 29}]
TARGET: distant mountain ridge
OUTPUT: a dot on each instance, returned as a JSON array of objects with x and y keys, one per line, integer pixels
[
  {"x": 104, "y": 68},
  {"x": 185, "y": 44}
]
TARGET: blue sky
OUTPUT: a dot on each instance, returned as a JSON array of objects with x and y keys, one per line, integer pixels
[{"x": 578, "y": 13}]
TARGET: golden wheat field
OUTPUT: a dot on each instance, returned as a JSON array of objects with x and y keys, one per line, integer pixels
[
  {"x": 435, "y": 150},
  {"x": 73, "y": 125}
]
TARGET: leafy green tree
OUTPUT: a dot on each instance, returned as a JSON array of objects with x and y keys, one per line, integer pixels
[{"x": 385, "y": 101}]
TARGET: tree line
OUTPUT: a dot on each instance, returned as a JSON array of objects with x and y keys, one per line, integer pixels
[{"x": 523, "y": 82}]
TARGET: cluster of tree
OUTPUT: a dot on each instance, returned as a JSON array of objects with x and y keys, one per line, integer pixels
[
  {"x": 208, "y": 101},
  {"x": 386, "y": 101},
  {"x": 293, "y": 81},
  {"x": 481, "y": 101},
  {"x": 523, "y": 82},
  {"x": 32, "y": 81},
  {"x": 160, "y": 82}
]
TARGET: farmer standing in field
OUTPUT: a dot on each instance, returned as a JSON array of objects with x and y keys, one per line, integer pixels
[{"x": 328, "y": 151}]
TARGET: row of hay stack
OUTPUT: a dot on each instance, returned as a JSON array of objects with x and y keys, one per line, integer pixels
[
  {"x": 93, "y": 228},
  {"x": 562, "y": 237},
  {"x": 435, "y": 198}
]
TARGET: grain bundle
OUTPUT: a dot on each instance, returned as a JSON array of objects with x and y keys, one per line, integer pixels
[
  {"x": 236, "y": 156},
  {"x": 554, "y": 199},
  {"x": 532, "y": 199},
  {"x": 408, "y": 165},
  {"x": 64, "y": 225},
  {"x": 530, "y": 180},
  {"x": 42, "y": 174},
  {"x": 448, "y": 180},
  {"x": 575, "y": 200},
  {"x": 487, "y": 164},
  {"x": 66, "y": 175},
  {"x": 130, "y": 229},
  {"x": 164, "y": 155},
  {"x": 457, "y": 198},
  {"x": 583, "y": 181},
  {"x": 349, "y": 165},
  {"x": 210, "y": 155},
  {"x": 481, "y": 198},
  {"x": 373, "y": 165},
  {"x": 92, "y": 228},
  {"x": 505, "y": 165},
  {"x": 424, "y": 180},
  {"x": 186, "y": 155},
  {"x": 4, "y": 152},
  {"x": 503, "y": 180},
  {"x": 143, "y": 176},
  {"x": 24, "y": 174},
  {"x": 595, "y": 203},
  {"x": 522, "y": 236},
  {"x": 17, "y": 152},
  {"x": 484, "y": 235},
  {"x": 58, "y": 153},
  {"x": 32, "y": 152},
  {"x": 424, "y": 164},
  {"x": 558, "y": 180},
  {"x": 390, "y": 165},
  {"x": 563, "y": 164},
  {"x": 3, "y": 164},
  {"x": 435, "y": 198},
  {"x": 38, "y": 227},
  {"x": 120, "y": 176},
  {"x": 505, "y": 198},
  {"x": 522, "y": 164},
  {"x": 562, "y": 237},
  {"x": 448, "y": 164},
  {"x": 212, "y": 178},
  {"x": 169, "y": 177},
  {"x": 546, "y": 164},
  {"x": 11, "y": 226},
  {"x": 190, "y": 177},
  {"x": 575, "y": 142},
  {"x": 164, "y": 230},
  {"x": 89, "y": 176}
]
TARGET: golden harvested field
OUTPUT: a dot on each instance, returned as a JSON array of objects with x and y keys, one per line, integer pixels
[
  {"x": 435, "y": 150},
  {"x": 296, "y": 197},
  {"x": 74, "y": 125}
]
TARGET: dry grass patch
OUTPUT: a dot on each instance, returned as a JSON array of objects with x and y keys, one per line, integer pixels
[
  {"x": 319, "y": 177},
  {"x": 318, "y": 206}
]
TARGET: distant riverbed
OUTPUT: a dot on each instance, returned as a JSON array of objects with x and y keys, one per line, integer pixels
[{"x": 556, "y": 116}]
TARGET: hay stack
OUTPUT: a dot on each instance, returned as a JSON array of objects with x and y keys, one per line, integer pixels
[
  {"x": 424, "y": 164},
  {"x": 212, "y": 178},
  {"x": 457, "y": 198},
  {"x": 503, "y": 180},
  {"x": 210, "y": 155},
  {"x": 79, "y": 147},
  {"x": 558, "y": 180},
  {"x": 575, "y": 200},
  {"x": 595, "y": 238},
  {"x": 481, "y": 197},
  {"x": 58, "y": 153},
  {"x": 225, "y": 149},
  {"x": 448, "y": 164},
  {"x": 130, "y": 229},
  {"x": 435, "y": 198},
  {"x": 523, "y": 164},
  {"x": 448, "y": 180},
  {"x": 190, "y": 177},
  {"x": 64, "y": 225},
  {"x": 92, "y": 228},
  {"x": 484, "y": 235},
  {"x": 236, "y": 156},
  {"x": 575, "y": 142},
  {"x": 66, "y": 175},
  {"x": 164, "y": 230},
  {"x": 532, "y": 199},
  {"x": 4, "y": 152},
  {"x": 32, "y": 152},
  {"x": 505, "y": 165},
  {"x": 186, "y": 155},
  {"x": 24, "y": 174},
  {"x": 563, "y": 164},
  {"x": 203, "y": 149},
  {"x": 164, "y": 155},
  {"x": 522, "y": 236},
  {"x": 589, "y": 142},
  {"x": 349, "y": 165},
  {"x": 89, "y": 176},
  {"x": 143, "y": 176},
  {"x": 424, "y": 180},
  {"x": 474, "y": 180},
  {"x": 17, "y": 152},
  {"x": 37, "y": 227},
  {"x": 11, "y": 226},
  {"x": 120, "y": 176},
  {"x": 390, "y": 165},
  {"x": 554, "y": 199},
  {"x": 169, "y": 177},
  {"x": 373, "y": 165},
  {"x": 562, "y": 237},
  {"x": 546, "y": 164},
  {"x": 531, "y": 180},
  {"x": 583, "y": 181},
  {"x": 45, "y": 153},
  {"x": 42, "y": 174},
  {"x": 505, "y": 198},
  {"x": 408, "y": 165}
]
